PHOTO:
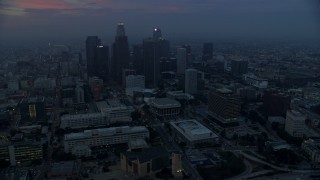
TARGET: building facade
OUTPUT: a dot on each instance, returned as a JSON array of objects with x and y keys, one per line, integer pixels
[
  {"x": 181, "y": 60},
  {"x": 102, "y": 137},
  {"x": 134, "y": 83},
  {"x": 191, "y": 81},
  {"x": 239, "y": 67},
  {"x": 224, "y": 106},
  {"x": 121, "y": 55},
  {"x": 165, "y": 108},
  {"x": 295, "y": 123},
  {"x": 193, "y": 133}
]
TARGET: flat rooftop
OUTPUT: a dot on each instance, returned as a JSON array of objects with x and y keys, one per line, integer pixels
[
  {"x": 165, "y": 103},
  {"x": 224, "y": 91},
  {"x": 67, "y": 167},
  {"x": 193, "y": 130},
  {"x": 81, "y": 116},
  {"x": 86, "y": 134}
]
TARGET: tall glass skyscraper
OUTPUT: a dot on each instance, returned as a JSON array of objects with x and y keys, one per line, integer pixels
[{"x": 121, "y": 55}]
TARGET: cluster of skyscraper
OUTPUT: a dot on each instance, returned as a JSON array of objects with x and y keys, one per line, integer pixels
[{"x": 145, "y": 59}]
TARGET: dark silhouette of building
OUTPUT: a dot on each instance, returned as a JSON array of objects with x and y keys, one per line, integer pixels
[
  {"x": 32, "y": 108},
  {"x": 157, "y": 33},
  {"x": 207, "y": 51},
  {"x": 101, "y": 62},
  {"x": 137, "y": 58},
  {"x": 224, "y": 106},
  {"x": 239, "y": 67},
  {"x": 276, "y": 103},
  {"x": 91, "y": 44},
  {"x": 121, "y": 55},
  {"x": 153, "y": 51}
]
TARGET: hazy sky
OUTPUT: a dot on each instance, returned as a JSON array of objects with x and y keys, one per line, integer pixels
[{"x": 193, "y": 19}]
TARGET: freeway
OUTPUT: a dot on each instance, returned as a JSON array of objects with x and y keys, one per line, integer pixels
[{"x": 285, "y": 169}]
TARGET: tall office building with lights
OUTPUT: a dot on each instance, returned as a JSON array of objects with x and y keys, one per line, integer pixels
[
  {"x": 120, "y": 53},
  {"x": 153, "y": 50}
]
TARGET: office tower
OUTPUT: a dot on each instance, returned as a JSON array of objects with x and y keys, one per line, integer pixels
[
  {"x": 79, "y": 94},
  {"x": 191, "y": 81},
  {"x": 125, "y": 73},
  {"x": 137, "y": 58},
  {"x": 224, "y": 106},
  {"x": 157, "y": 33},
  {"x": 239, "y": 67},
  {"x": 189, "y": 54},
  {"x": 134, "y": 83},
  {"x": 96, "y": 87},
  {"x": 153, "y": 51},
  {"x": 101, "y": 62},
  {"x": 188, "y": 48},
  {"x": 121, "y": 53},
  {"x": 207, "y": 52},
  {"x": 295, "y": 123},
  {"x": 181, "y": 60},
  {"x": 168, "y": 65},
  {"x": 91, "y": 44},
  {"x": 276, "y": 103}
]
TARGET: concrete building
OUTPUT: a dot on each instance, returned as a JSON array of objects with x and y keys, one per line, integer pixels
[
  {"x": 145, "y": 162},
  {"x": 224, "y": 106},
  {"x": 101, "y": 137},
  {"x": 125, "y": 73},
  {"x": 295, "y": 123},
  {"x": 276, "y": 103},
  {"x": 13, "y": 85},
  {"x": 191, "y": 81},
  {"x": 180, "y": 95},
  {"x": 96, "y": 87},
  {"x": 134, "y": 83},
  {"x": 239, "y": 67},
  {"x": 79, "y": 94},
  {"x": 75, "y": 121},
  {"x": 193, "y": 133},
  {"x": 65, "y": 170},
  {"x": 311, "y": 148},
  {"x": 21, "y": 152},
  {"x": 255, "y": 81},
  {"x": 181, "y": 60},
  {"x": 115, "y": 111},
  {"x": 110, "y": 112},
  {"x": 165, "y": 108}
]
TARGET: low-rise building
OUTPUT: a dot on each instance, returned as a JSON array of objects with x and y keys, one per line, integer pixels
[
  {"x": 193, "y": 133},
  {"x": 101, "y": 137},
  {"x": 312, "y": 149},
  {"x": 65, "y": 170},
  {"x": 165, "y": 108},
  {"x": 115, "y": 111},
  {"x": 110, "y": 112},
  {"x": 145, "y": 162},
  {"x": 255, "y": 81},
  {"x": 75, "y": 121},
  {"x": 20, "y": 152},
  {"x": 179, "y": 95},
  {"x": 295, "y": 123}
]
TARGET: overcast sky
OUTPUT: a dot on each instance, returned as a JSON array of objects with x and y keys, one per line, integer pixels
[{"x": 192, "y": 19}]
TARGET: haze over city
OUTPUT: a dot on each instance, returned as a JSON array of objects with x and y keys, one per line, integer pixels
[
  {"x": 159, "y": 89},
  {"x": 181, "y": 19}
]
